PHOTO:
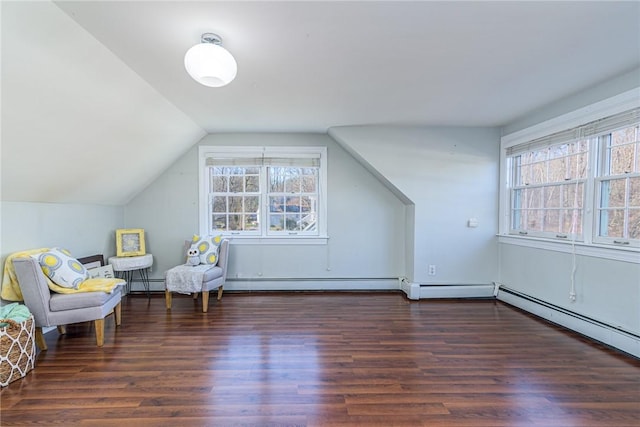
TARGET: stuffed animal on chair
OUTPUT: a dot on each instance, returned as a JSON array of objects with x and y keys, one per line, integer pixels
[{"x": 193, "y": 255}]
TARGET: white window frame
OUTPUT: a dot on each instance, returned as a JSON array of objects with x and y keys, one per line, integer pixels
[
  {"x": 264, "y": 235},
  {"x": 568, "y": 181},
  {"x": 591, "y": 245}
]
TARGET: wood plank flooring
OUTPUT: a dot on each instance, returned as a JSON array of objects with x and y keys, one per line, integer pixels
[{"x": 325, "y": 359}]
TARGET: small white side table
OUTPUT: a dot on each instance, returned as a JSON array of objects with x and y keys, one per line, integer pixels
[{"x": 125, "y": 266}]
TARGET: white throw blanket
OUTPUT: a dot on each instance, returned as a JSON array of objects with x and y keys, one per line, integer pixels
[{"x": 186, "y": 279}]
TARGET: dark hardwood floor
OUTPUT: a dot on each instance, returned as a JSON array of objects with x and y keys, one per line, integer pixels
[{"x": 325, "y": 359}]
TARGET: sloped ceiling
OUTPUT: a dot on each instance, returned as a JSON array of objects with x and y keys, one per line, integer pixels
[
  {"x": 96, "y": 102},
  {"x": 78, "y": 125}
]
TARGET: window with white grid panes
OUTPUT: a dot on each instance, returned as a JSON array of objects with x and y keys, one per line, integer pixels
[
  {"x": 618, "y": 187},
  {"x": 581, "y": 184},
  {"x": 264, "y": 191},
  {"x": 547, "y": 194},
  {"x": 293, "y": 199},
  {"x": 236, "y": 198}
]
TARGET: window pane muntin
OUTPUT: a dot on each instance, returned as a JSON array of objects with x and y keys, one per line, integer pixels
[
  {"x": 308, "y": 204},
  {"x": 612, "y": 223},
  {"x": 552, "y": 196},
  {"x": 292, "y": 222},
  {"x": 220, "y": 183},
  {"x": 551, "y": 220},
  {"x": 532, "y": 197},
  {"x": 236, "y": 184},
  {"x": 292, "y": 183},
  {"x": 626, "y": 135},
  {"x": 613, "y": 193},
  {"x": 571, "y": 222},
  {"x": 236, "y": 204},
  {"x": 251, "y": 222},
  {"x": 292, "y": 204},
  {"x": 220, "y": 204},
  {"x": 536, "y": 174},
  {"x": 276, "y": 222},
  {"x": 276, "y": 203},
  {"x": 277, "y": 178},
  {"x": 634, "y": 191},
  {"x": 219, "y": 222},
  {"x": 634, "y": 223},
  {"x": 309, "y": 178},
  {"x": 534, "y": 219},
  {"x": 251, "y": 204},
  {"x": 622, "y": 160},
  {"x": 235, "y": 222},
  {"x": 252, "y": 183},
  {"x": 573, "y": 195}
]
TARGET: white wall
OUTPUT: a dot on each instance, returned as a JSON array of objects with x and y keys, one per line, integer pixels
[
  {"x": 604, "y": 90},
  {"x": 607, "y": 290},
  {"x": 448, "y": 175},
  {"x": 82, "y": 229},
  {"x": 366, "y": 221}
]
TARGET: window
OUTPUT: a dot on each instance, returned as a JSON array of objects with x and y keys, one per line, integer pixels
[
  {"x": 263, "y": 192},
  {"x": 618, "y": 184},
  {"x": 548, "y": 190},
  {"x": 580, "y": 184}
]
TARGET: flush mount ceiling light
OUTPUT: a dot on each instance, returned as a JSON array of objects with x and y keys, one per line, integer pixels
[{"x": 209, "y": 63}]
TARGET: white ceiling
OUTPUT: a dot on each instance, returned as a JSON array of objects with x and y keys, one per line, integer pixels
[
  {"x": 313, "y": 65},
  {"x": 107, "y": 77}
]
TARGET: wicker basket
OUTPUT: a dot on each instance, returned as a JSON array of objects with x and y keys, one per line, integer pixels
[{"x": 17, "y": 350}]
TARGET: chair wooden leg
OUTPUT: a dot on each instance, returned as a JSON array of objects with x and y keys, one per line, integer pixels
[
  {"x": 205, "y": 301},
  {"x": 167, "y": 299},
  {"x": 118, "y": 314},
  {"x": 219, "y": 293},
  {"x": 40, "y": 342},
  {"x": 62, "y": 329},
  {"x": 195, "y": 295},
  {"x": 99, "y": 323}
]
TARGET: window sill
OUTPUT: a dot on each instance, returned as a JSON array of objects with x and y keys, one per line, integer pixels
[
  {"x": 275, "y": 240},
  {"x": 631, "y": 255}
]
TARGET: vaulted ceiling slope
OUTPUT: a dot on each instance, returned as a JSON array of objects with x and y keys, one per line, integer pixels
[
  {"x": 96, "y": 102},
  {"x": 78, "y": 125}
]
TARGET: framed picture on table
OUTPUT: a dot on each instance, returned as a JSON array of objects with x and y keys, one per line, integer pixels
[{"x": 130, "y": 242}]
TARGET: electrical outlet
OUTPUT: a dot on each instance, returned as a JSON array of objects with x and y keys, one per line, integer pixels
[{"x": 432, "y": 270}]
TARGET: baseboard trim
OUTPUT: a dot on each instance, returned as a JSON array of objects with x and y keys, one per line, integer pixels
[
  {"x": 297, "y": 284},
  {"x": 595, "y": 330}
]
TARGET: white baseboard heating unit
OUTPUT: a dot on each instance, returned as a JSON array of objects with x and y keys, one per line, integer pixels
[{"x": 610, "y": 335}]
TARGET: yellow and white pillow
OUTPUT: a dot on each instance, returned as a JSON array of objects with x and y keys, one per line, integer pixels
[
  {"x": 63, "y": 270},
  {"x": 208, "y": 248}
]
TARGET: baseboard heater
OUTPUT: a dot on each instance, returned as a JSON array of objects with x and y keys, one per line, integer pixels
[
  {"x": 417, "y": 291},
  {"x": 602, "y": 332}
]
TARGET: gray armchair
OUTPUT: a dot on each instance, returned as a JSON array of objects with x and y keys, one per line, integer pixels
[
  {"x": 213, "y": 278},
  {"x": 53, "y": 309}
]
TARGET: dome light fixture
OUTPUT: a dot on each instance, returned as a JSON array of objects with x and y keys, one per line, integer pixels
[{"x": 209, "y": 63}]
